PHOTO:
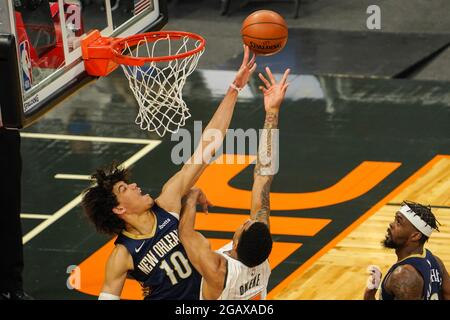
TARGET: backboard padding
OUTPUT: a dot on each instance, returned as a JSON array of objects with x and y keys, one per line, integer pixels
[{"x": 48, "y": 57}]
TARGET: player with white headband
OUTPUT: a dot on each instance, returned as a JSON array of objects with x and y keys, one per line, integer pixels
[{"x": 417, "y": 274}]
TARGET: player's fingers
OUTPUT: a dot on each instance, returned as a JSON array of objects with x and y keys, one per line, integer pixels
[
  {"x": 262, "y": 89},
  {"x": 253, "y": 68},
  {"x": 246, "y": 54},
  {"x": 252, "y": 61},
  {"x": 285, "y": 76},
  {"x": 266, "y": 83},
  {"x": 285, "y": 88},
  {"x": 271, "y": 77}
]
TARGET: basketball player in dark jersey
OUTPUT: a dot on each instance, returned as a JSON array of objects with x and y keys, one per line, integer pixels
[
  {"x": 147, "y": 247},
  {"x": 417, "y": 274},
  {"x": 240, "y": 270}
]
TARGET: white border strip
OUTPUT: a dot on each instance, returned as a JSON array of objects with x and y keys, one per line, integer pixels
[
  {"x": 12, "y": 19},
  {"x": 72, "y": 176},
  {"x": 109, "y": 18},
  {"x": 35, "y": 216},
  {"x": 86, "y": 138},
  {"x": 72, "y": 204},
  {"x": 63, "y": 28}
]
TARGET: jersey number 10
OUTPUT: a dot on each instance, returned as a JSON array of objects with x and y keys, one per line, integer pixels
[{"x": 180, "y": 266}]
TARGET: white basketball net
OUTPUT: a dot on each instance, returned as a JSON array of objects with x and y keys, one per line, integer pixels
[{"x": 158, "y": 86}]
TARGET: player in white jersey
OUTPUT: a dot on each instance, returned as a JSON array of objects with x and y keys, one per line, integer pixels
[
  {"x": 242, "y": 282},
  {"x": 240, "y": 270}
]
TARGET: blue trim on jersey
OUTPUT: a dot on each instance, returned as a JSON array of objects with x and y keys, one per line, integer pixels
[
  {"x": 430, "y": 271},
  {"x": 160, "y": 262}
]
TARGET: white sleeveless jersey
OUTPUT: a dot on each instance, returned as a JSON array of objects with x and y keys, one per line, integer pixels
[{"x": 242, "y": 282}]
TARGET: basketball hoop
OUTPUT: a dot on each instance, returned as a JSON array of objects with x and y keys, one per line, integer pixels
[{"x": 156, "y": 65}]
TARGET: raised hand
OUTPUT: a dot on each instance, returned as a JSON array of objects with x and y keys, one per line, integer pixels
[
  {"x": 273, "y": 91},
  {"x": 246, "y": 69},
  {"x": 196, "y": 196}
]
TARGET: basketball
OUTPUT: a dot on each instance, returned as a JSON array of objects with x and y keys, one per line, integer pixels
[{"x": 265, "y": 32}]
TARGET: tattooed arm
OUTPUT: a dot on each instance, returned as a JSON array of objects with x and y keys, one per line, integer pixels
[
  {"x": 405, "y": 283},
  {"x": 267, "y": 161},
  {"x": 263, "y": 175}
]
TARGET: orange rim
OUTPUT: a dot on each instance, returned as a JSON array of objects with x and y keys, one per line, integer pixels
[{"x": 118, "y": 45}]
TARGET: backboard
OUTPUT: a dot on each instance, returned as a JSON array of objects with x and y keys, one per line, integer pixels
[{"x": 40, "y": 53}]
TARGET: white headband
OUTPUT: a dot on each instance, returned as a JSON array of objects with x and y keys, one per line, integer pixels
[{"x": 416, "y": 220}]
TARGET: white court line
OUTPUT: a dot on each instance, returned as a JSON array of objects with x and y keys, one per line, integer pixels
[
  {"x": 35, "y": 216},
  {"x": 72, "y": 204},
  {"x": 85, "y": 138},
  {"x": 72, "y": 176}
]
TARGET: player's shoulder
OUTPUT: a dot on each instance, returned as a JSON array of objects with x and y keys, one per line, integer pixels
[
  {"x": 406, "y": 273},
  {"x": 119, "y": 258},
  {"x": 405, "y": 283},
  {"x": 119, "y": 251}
]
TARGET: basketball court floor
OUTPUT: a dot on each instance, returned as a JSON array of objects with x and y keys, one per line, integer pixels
[
  {"x": 344, "y": 158},
  {"x": 356, "y": 139}
]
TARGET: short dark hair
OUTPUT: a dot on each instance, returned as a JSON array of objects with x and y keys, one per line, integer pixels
[
  {"x": 255, "y": 245},
  {"x": 424, "y": 212},
  {"x": 99, "y": 200}
]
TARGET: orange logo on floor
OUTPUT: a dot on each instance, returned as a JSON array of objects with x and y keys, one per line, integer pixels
[{"x": 215, "y": 184}]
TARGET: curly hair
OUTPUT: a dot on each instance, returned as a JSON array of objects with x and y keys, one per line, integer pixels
[
  {"x": 255, "y": 245},
  {"x": 99, "y": 200},
  {"x": 424, "y": 212}
]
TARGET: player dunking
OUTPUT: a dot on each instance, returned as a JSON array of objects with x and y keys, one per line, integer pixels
[
  {"x": 147, "y": 246},
  {"x": 417, "y": 274},
  {"x": 240, "y": 270}
]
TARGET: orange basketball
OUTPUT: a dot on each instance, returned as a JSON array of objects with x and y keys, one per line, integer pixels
[{"x": 265, "y": 32}]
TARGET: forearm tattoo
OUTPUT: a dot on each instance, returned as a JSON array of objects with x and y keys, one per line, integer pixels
[
  {"x": 263, "y": 213},
  {"x": 264, "y": 165},
  {"x": 271, "y": 121}
]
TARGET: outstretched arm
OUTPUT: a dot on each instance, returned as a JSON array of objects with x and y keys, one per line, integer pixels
[
  {"x": 207, "y": 262},
  {"x": 267, "y": 160},
  {"x": 210, "y": 141}
]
